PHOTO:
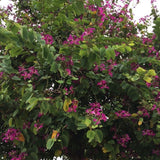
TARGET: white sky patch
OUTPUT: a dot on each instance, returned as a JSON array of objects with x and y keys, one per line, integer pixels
[{"x": 4, "y": 3}]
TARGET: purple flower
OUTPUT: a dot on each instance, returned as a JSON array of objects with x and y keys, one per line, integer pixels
[
  {"x": 156, "y": 152},
  {"x": 48, "y": 38},
  {"x": 32, "y": 71},
  {"x": 11, "y": 134},
  {"x": 14, "y": 156},
  {"x": 1, "y": 74},
  {"x": 122, "y": 114},
  {"x": 74, "y": 106},
  {"x": 27, "y": 73},
  {"x": 148, "y": 132},
  {"x": 68, "y": 71},
  {"x": 26, "y": 125},
  {"x": 123, "y": 140},
  {"x": 38, "y": 126},
  {"x": 143, "y": 112},
  {"x": 96, "y": 112},
  {"x": 103, "y": 84}
]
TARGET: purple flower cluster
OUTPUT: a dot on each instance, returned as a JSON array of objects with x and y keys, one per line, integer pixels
[
  {"x": 11, "y": 135},
  {"x": 69, "y": 91},
  {"x": 157, "y": 98},
  {"x": 27, "y": 73},
  {"x": 123, "y": 140},
  {"x": 73, "y": 107},
  {"x": 102, "y": 84},
  {"x": 156, "y": 152},
  {"x": 134, "y": 66},
  {"x": 1, "y": 74},
  {"x": 122, "y": 114},
  {"x": 148, "y": 132},
  {"x": 48, "y": 38},
  {"x": 100, "y": 67},
  {"x": 67, "y": 61},
  {"x": 73, "y": 39},
  {"x": 26, "y": 125},
  {"x": 38, "y": 126},
  {"x": 96, "y": 111},
  {"x": 143, "y": 112},
  {"x": 14, "y": 156}
]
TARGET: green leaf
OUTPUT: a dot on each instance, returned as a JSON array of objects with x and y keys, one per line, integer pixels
[
  {"x": 34, "y": 156},
  {"x": 91, "y": 135},
  {"x": 99, "y": 135},
  {"x": 65, "y": 139},
  {"x": 81, "y": 125},
  {"x": 108, "y": 147},
  {"x": 110, "y": 53},
  {"x": 133, "y": 93},
  {"x": 129, "y": 49},
  {"x": 60, "y": 81},
  {"x": 33, "y": 102},
  {"x": 102, "y": 51},
  {"x": 87, "y": 122},
  {"x": 10, "y": 122},
  {"x": 83, "y": 52},
  {"x": 50, "y": 143},
  {"x": 24, "y": 32}
]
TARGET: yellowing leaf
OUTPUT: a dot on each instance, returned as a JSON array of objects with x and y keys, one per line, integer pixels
[
  {"x": 58, "y": 153},
  {"x": 66, "y": 104},
  {"x": 140, "y": 121},
  {"x": 151, "y": 72},
  {"x": 134, "y": 115},
  {"x": 131, "y": 44},
  {"x": 104, "y": 150},
  {"x": 151, "y": 124},
  {"x": 54, "y": 134},
  {"x": 140, "y": 70},
  {"x": 147, "y": 79},
  {"x": 21, "y": 137}
]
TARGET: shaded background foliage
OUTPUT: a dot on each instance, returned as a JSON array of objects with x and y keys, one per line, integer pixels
[{"x": 78, "y": 79}]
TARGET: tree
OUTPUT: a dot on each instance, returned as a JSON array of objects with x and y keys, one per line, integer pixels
[{"x": 79, "y": 79}]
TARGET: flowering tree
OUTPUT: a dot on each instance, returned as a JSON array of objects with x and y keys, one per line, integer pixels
[{"x": 79, "y": 79}]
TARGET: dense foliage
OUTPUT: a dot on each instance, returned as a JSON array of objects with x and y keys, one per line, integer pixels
[{"x": 79, "y": 79}]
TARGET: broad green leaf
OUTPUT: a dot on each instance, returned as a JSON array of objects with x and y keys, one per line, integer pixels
[
  {"x": 34, "y": 156},
  {"x": 60, "y": 81},
  {"x": 83, "y": 52},
  {"x": 129, "y": 49},
  {"x": 50, "y": 143},
  {"x": 108, "y": 147},
  {"x": 88, "y": 122},
  {"x": 10, "y": 122},
  {"x": 81, "y": 125},
  {"x": 91, "y": 135},
  {"x": 32, "y": 103},
  {"x": 110, "y": 53},
  {"x": 24, "y": 33},
  {"x": 99, "y": 135}
]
